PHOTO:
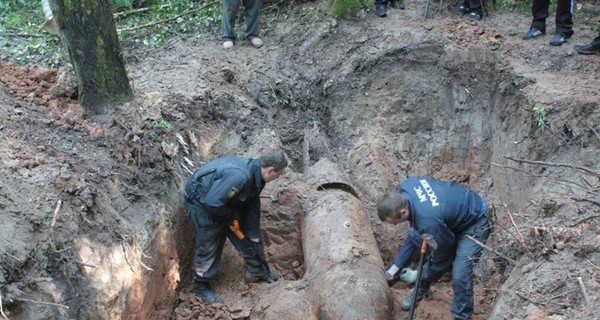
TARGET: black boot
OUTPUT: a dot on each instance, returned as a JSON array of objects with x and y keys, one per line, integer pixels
[
  {"x": 205, "y": 292},
  {"x": 380, "y": 10},
  {"x": 256, "y": 272},
  {"x": 592, "y": 48},
  {"x": 398, "y": 4}
]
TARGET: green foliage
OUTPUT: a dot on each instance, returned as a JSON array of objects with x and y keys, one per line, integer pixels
[
  {"x": 522, "y": 6},
  {"x": 281, "y": 95},
  {"x": 342, "y": 8},
  {"x": 163, "y": 125},
  {"x": 541, "y": 117}
]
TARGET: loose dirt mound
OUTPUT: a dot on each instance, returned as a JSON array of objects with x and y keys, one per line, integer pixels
[{"x": 91, "y": 206}]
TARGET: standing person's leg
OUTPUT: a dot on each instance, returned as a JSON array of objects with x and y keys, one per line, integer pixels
[
  {"x": 539, "y": 11},
  {"x": 210, "y": 239},
  {"x": 251, "y": 15},
  {"x": 564, "y": 18},
  {"x": 229, "y": 14},
  {"x": 381, "y": 7},
  {"x": 467, "y": 255}
]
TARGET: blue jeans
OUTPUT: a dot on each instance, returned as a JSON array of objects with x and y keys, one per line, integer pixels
[
  {"x": 229, "y": 14},
  {"x": 462, "y": 259}
]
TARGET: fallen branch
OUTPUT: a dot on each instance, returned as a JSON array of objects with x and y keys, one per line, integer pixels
[
  {"x": 585, "y": 294},
  {"x": 1, "y": 309},
  {"x": 479, "y": 243},
  {"x": 10, "y": 255},
  {"x": 23, "y": 35},
  {"x": 43, "y": 302},
  {"x": 562, "y": 294},
  {"x": 569, "y": 184},
  {"x": 58, "y": 203},
  {"x": 585, "y": 200},
  {"x": 551, "y": 164},
  {"x": 169, "y": 19},
  {"x": 585, "y": 219},
  {"x": 86, "y": 264},
  {"x": 593, "y": 130},
  {"x": 138, "y": 10}
]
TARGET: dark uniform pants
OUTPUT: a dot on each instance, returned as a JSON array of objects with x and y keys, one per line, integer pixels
[
  {"x": 564, "y": 16},
  {"x": 230, "y": 9}
]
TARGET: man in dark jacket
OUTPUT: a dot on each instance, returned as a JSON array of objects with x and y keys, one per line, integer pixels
[
  {"x": 224, "y": 190},
  {"x": 444, "y": 212}
]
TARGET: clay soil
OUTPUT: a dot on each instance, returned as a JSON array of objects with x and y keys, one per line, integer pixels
[{"x": 93, "y": 225}]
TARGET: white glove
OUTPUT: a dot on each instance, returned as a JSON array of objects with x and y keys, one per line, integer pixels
[{"x": 408, "y": 275}]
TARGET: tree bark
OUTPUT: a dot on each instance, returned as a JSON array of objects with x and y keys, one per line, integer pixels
[{"x": 87, "y": 29}]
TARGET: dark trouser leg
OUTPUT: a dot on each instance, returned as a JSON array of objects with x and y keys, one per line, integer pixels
[
  {"x": 381, "y": 2},
  {"x": 229, "y": 12},
  {"x": 474, "y": 5},
  {"x": 539, "y": 10},
  {"x": 467, "y": 255},
  {"x": 251, "y": 12},
  {"x": 210, "y": 239},
  {"x": 564, "y": 18}
]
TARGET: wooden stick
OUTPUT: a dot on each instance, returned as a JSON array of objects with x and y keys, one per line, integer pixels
[
  {"x": 169, "y": 19},
  {"x": 585, "y": 294},
  {"x": 516, "y": 227},
  {"x": 584, "y": 169},
  {"x": 562, "y": 294},
  {"x": 138, "y": 10},
  {"x": 585, "y": 219},
  {"x": 10, "y": 255},
  {"x": 477, "y": 242},
  {"x": 43, "y": 302},
  {"x": 58, "y": 203},
  {"x": 586, "y": 200},
  {"x": 1, "y": 309}
]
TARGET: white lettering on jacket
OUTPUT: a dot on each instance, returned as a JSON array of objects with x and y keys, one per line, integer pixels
[{"x": 426, "y": 190}]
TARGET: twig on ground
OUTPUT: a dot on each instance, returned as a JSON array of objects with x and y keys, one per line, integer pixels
[
  {"x": 562, "y": 294},
  {"x": 58, "y": 203},
  {"x": 23, "y": 35},
  {"x": 43, "y": 302},
  {"x": 10, "y": 255},
  {"x": 169, "y": 19},
  {"x": 1, "y": 309},
  {"x": 593, "y": 130},
  {"x": 517, "y": 228},
  {"x": 585, "y": 219},
  {"x": 86, "y": 264},
  {"x": 588, "y": 261},
  {"x": 569, "y": 184},
  {"x": 551, "y": 164},
  {"x": 585, "y": 294},
  {"x": 138, "y": 10},
  {"x": 585, "y": 200},
  {"x": 477, "y": 242}
]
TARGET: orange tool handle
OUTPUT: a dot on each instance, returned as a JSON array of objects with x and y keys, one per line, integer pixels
[
  {"x": 235, "y": 228},
  {"x": 424, "y": 247}
]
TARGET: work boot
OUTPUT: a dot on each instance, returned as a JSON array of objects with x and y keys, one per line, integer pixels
[
  {"x": 592, "y": 48},
  {"x": 398, "y": 4},
  {"x": 462, "y": 9},
  {"x": 381, "y": 10},
  {"x": 424, "y": 291},
  {"x": 205, "y": 292},
  {"x": 255, "y": 272},
  {"x": 474, "y": 15}
]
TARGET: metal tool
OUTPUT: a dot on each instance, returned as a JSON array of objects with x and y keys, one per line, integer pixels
[
  {"x": 418, "y": 282},
  {"x": 235, "y": 228}
]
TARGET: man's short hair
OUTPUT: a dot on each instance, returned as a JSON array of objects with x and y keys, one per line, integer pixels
[
  {"x": 390, "y": 205},
  {"x": 273, "y": 158}
]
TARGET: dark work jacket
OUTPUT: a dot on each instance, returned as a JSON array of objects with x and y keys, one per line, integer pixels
[
  {"x": 227, "y": 186},
  {"x": 440, "y": 208}
]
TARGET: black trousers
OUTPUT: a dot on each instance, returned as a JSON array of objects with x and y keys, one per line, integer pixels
[
  {"x": 564, "y": 16},
  {"x": 474, "y": 5}
]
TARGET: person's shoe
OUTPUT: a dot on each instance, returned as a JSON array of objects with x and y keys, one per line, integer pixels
[
  {"x": 557, "y": 40},
  {"x": 398, "y": 4},
  {"x": 592, "y": 48},
  {"x": 473, "y": 15},
  {"x": 462, "y": 9},
  {"x": 533, "y": 33},
  {"x": 256, "y": 42},
  {"x": 205, "y": 292},
  {"x": 227, "y": 44},
  {"x": 380, "y": 10},
  {"x": 421, "y": 294},
  {"x": 256, "y": 272}
]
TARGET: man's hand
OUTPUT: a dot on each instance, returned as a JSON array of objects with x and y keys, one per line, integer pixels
[{"x": 408, "y": 275}]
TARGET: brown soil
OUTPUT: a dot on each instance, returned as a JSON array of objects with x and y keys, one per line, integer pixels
[{"x": 92, "y": 208}]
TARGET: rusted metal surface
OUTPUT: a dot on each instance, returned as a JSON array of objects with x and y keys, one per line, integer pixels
[{"x": 343, "y": 264}]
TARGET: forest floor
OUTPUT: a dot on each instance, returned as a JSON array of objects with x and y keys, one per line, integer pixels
[{"x": 93, "y": 225}]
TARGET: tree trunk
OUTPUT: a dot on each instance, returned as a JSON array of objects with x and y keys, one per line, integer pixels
[{"x": 87, "y": 29}]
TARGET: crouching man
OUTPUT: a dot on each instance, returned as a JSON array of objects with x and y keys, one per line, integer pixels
[
  {"x": 224, "y": 191},
  {"x": 445, "y": 213}
]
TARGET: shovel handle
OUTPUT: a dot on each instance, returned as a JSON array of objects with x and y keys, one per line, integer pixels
[
  {"x": 235, "y": 228},
  {"x": 424, "y": 247}
]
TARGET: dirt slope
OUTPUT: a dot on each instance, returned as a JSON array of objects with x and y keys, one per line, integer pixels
[{"x": 92, "y": 209}]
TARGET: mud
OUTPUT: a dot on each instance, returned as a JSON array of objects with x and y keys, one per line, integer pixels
[{"x": 92, "y": 209}]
